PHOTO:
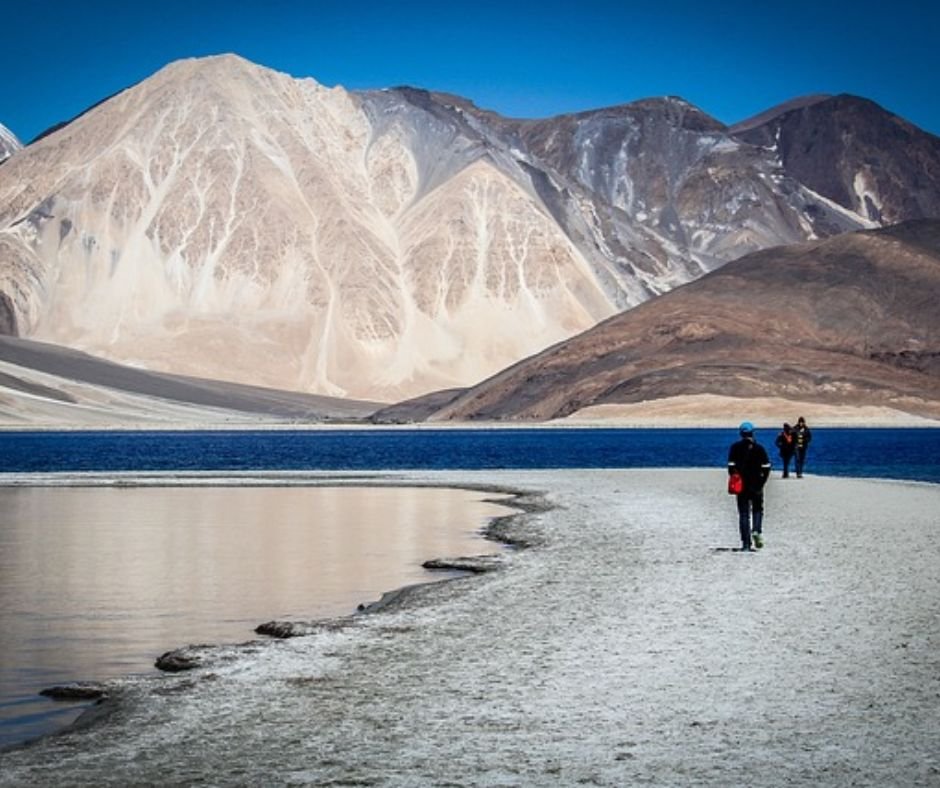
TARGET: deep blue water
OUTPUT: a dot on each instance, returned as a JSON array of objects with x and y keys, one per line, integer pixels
[{"x": 890, "y": 453}]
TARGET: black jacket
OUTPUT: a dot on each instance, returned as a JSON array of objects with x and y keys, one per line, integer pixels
[
  {"x": 750, "y": 459},
  {"x": 787, "y": 447},
  {"x": 802, "y": 437}
]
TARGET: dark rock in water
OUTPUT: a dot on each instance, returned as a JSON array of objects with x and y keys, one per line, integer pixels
[
  {"x": 182, "y": 659},
  {"x": 474, "y": 563},
  {"x": 201, "y": 656},
  {"x": 294, "y": 629},
  {"x": 282, "y": 629},
  {"x": 388, "y": 599},
  {"x": 77, "y": 691}
]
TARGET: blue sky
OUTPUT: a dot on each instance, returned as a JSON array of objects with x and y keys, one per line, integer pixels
[{"x": 731, "y": 59}]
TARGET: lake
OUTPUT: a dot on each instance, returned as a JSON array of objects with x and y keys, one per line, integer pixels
[{"x": 890, "y": 453}]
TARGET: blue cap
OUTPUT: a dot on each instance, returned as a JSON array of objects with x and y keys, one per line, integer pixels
[{"x": 746, "y": 428}]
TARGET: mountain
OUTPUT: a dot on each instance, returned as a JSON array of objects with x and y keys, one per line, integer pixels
[
  {"x": 850, "y": 151},
  {"x": 226, "y": 221},
  {"x": 656, "y": 192},
  {"x": 221, "y": 220},
  {"x": 768, "y": 115},
  {"x": 850, "y": 320},
  {"x": 9, "y": 144}
]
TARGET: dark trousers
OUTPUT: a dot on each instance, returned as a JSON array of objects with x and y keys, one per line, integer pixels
[
  {"x": 750, "y": 507},
  {"x": 785, "y": 459},
  {"x": 800, "y": 460}
]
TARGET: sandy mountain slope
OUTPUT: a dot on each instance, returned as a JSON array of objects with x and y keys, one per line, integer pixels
[
  {"x": 852, "y": 320},
  {"x": 223, "y": 220}
]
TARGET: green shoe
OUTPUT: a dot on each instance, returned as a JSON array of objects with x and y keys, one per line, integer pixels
[{"x": 758, "y": 541}]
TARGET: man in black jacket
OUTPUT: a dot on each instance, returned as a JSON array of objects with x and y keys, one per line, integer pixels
[
  {"x": 802, "y": 436},
  {"x": 749, "y": 459}
]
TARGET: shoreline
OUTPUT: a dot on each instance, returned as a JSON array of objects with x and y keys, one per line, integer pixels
[
  {"x": 564, "y": 424},
  {"x": 647, "y": 647},
  {"x": 699, "y": 411},
  {"x": 56, "y": 388},
  {"x": 99, "y": 692}
]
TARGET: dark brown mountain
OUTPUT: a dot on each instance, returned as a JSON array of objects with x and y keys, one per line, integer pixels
[
  {"x": 852, "y": 320},
  {"x": 855, "y": 153},
  {"x": 765, "y": 117}
]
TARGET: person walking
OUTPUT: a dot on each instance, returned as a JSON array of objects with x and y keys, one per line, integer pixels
[
  {"x": 802, "y": 436},
  {"x": 786, "y": 445},
  {"x": 749, "y": 460}
]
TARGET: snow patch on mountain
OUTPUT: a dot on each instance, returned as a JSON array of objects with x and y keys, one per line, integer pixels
[
  {"x": 9, "y": 144},
  {"x": 866, "y": 193},
  {"x": 850, "y": 215}
]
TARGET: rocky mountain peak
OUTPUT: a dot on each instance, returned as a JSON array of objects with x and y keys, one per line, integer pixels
[
  {"x": 857, "y": 154},
  {"x": 673, "y": 110},
  {"x": 783, "y": 108}
]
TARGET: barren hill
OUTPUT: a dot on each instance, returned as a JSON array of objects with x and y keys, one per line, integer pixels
[{"x": 852, "y": 320}]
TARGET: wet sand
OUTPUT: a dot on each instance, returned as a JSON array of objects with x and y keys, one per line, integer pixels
[{"x": 628, "y": 645}]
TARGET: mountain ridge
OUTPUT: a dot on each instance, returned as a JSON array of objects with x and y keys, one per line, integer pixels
[{"x": 224, "y": 220}]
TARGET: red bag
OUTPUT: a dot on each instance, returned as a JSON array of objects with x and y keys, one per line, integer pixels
[{"x": 735, "y": 484}]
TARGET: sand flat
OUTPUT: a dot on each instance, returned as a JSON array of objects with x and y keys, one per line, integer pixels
[{"x": 712, "y": 410}]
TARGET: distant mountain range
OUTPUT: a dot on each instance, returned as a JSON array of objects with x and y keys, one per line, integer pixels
[{"x": 223, "y": 221}]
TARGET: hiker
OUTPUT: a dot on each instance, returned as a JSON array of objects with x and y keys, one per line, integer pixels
[
  {"x": 802, "y": 437},
  {"x": 786, "y": 445},
  {"x": 749, "y": 460}
]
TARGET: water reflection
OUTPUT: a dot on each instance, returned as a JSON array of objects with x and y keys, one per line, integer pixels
[{"x": 96, "y": 582}]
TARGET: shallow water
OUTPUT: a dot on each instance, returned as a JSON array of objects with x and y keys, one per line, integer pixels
[{"x": 96, "y": 582}]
